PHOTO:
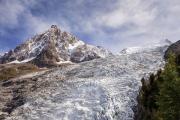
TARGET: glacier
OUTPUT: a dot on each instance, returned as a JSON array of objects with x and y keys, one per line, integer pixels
[{"x": 101, "y": 89}]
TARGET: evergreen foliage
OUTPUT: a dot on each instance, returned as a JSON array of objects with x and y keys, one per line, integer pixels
[
  {"x": 161, "y": 96},
  {"x": 168, "y": 99}
]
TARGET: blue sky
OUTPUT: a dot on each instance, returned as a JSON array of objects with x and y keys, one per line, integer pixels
[{"x": 113, "y": 24}]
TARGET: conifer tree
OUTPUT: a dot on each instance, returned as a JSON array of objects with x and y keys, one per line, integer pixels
[{"x": 169, "y": 94}]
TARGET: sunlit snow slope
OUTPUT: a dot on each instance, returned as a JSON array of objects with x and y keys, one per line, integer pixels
[{"x": 101, "y": 89}]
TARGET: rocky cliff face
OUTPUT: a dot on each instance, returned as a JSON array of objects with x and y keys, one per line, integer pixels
[
  {"x": 175, "y": 49},
  {"x": 52, "y": 47}
]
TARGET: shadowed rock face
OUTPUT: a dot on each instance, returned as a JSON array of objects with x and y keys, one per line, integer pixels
[
  {"x": 175, "y": 49},
  {"x": 53, "y": 46},
  {"x": 48, "y": 57},
  {"x": 81, "y": 54}
]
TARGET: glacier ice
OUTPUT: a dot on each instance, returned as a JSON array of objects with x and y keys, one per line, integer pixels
[{"x": 101, "y": 89}]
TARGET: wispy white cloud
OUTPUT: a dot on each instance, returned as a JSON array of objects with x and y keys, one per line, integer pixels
[
  {"x": 134, "y": 12},
  {"x": 113, "y": 24},
  {"x": 9, "y": 11},
  {"x": 136, "y": 22}
]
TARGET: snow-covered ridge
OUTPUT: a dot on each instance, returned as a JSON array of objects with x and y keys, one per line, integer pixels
[
  {"x": 75, "y": 45},
  {"x": 147, "y": 47},
  {"x": 131, "y": 50}
]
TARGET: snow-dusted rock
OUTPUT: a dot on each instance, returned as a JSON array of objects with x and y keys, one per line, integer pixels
[
  {"x": 88, "y": 52},
  {"x": 60, "y": 46}
]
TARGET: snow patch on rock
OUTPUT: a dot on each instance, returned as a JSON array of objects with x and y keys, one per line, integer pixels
[{"x": 19, "y": 62}]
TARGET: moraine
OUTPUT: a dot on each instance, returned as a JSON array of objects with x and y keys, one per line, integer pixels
[{"x": 101, "y": 89}]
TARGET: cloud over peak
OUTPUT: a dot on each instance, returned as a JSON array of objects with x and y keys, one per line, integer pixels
[{"x": 113, "y": 24}]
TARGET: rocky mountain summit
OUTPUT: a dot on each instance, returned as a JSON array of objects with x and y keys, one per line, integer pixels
[{"x": 53, "y": 47}]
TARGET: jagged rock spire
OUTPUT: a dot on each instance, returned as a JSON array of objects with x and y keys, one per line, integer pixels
[{"x": 54, "y": 26}]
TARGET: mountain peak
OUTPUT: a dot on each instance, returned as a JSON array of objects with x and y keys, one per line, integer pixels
[
  {"x": 54, "y": 26},
  {"x": 51, "y": 47}
]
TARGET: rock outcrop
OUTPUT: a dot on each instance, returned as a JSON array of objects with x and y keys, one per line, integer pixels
[{"x": 174, "y": 49}]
